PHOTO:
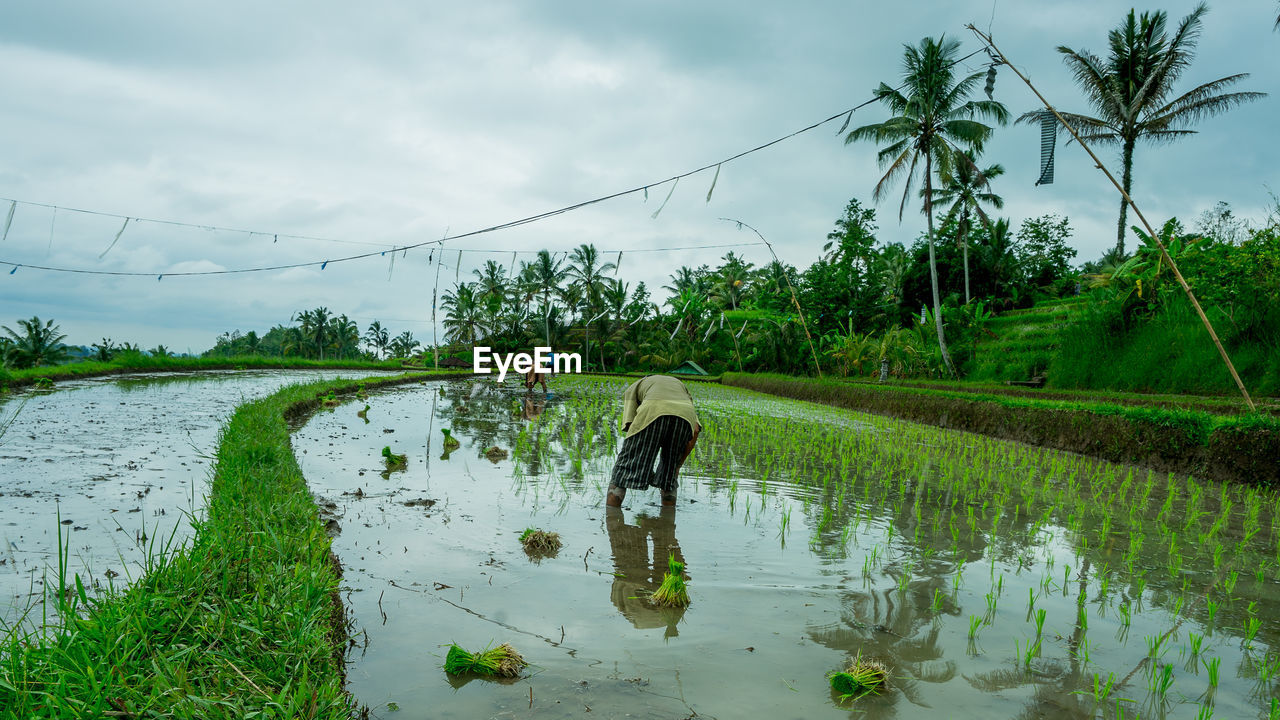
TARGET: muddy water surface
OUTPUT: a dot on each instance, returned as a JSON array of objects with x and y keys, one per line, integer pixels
[
  {"x": 788, "y": 581},
  {"x": 121, "y": 460}
]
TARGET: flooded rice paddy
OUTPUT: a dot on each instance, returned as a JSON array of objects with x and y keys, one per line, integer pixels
[
  {"x": 993, "y": 580},
  {"x": 114, "y": 464}
]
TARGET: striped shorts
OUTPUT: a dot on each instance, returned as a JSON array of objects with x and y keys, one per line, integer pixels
[{"x": 664, "y": 440}]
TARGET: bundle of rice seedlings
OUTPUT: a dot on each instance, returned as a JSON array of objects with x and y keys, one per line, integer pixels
[
  {"x": 502, "y": 661},
  {"x": 330, "y": 400},
  {"x": 449, "y": 440},
  {"x": 393, "y": 460},
  {"x": 540, "y": 542},
  {"x": 862, "y": 677},
  {"x": 363, "y": 414},
  {"x": 671, "y": 593},
  {"x": 495, "y": 453}
]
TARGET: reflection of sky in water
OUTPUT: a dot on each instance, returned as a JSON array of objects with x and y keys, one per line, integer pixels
[
  {"x": 772, "y": 610},
  {"x": 117, "y": 457}
]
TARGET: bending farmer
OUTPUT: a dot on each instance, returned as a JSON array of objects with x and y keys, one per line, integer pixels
[{"x": 661, "y": 424}]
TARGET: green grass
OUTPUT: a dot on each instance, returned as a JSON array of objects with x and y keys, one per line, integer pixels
[
  {"x": 1171, "y": 352},
  {"x": 243, "y": 622},
  {"x": 1022, "y": 343}
]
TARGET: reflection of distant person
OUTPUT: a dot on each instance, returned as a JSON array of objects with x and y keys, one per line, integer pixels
[
  {"x": 661, "y": 424},
  {"x": 637, "y": 571},
  {"x": 533, "y": 408}
]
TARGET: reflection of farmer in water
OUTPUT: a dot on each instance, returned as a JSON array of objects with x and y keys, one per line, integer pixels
[
  {"x": 530, "y": 408},
  {"x": 640, "y": 564},
  {"x": 661, "y": 424}
]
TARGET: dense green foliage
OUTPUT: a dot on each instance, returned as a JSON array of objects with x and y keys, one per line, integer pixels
[{"x": 1139, "y": 332}]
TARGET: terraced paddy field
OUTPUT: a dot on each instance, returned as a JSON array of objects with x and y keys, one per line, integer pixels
[{"x": 991, "y": 579}]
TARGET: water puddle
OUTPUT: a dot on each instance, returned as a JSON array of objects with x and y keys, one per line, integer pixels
[
  {"x": 123, "y": 460},
  {"x": 993, "y": 580}
]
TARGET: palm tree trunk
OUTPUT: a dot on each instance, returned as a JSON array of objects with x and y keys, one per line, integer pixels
[
  {"x": 964, "y": 243},
  {"x": 933, "y": 264},
  {"x": 1127, "y": 161}
]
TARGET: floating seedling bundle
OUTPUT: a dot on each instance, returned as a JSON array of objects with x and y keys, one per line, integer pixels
[
  {"x": 449, "y": 440},
  {"x": 393, "y": 461},
  {"x": 502, "y": 661},
  {"x": 540, "y": 542},
  {"x": 862, "y": 677},
  {"x": 672, "y": 592},
  {"x": 495, "y": 453},
  {"x": 363, "y": 414},
  {"x": 330, "y": 400}
]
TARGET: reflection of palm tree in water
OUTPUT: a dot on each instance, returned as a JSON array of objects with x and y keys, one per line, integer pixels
[{"x": 640, "y": 564}]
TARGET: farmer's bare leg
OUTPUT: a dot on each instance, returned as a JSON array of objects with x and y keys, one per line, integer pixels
[{"x": 615, "y": 496}]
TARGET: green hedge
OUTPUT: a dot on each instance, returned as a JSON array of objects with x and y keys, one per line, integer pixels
[{"x": 1244, "y": 448}]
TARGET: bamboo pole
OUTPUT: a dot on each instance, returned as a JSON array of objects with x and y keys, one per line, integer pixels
[
  {"x": 796, "y": 301},
  {"x": 1164, "y": 253}
]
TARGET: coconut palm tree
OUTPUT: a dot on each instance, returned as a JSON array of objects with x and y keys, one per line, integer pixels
[
  {"x": 315, "y": 327},
  {"x": 38, "y": 343},
  {"x": 930, "y": 121},
  {"x": 252, "y": 343},
  {"x": 1130, "y": 89},
  {"x": 491, "y": 281},
  {"x": 731, "y": 283},
  {"x": 462, "y": 320},
  {"x": 378, "y": 338},
  {"x": 345, "y": 334},
  {"x": 403, "y": 345},
  {"x": 681, "y": 280},
  {"x": 550, "y": 273},
  {"x": 967, "y": 189},
  {"x": 587, "y": 272}
]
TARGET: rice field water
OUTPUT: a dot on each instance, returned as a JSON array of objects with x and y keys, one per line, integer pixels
[
  {"x": 110, "y": 469},
  {"x": 975, "y": 577}
]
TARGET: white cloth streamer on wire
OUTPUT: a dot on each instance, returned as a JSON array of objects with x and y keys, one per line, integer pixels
[
  {"x": 664, "y": 202},
  {"x": 8, "y": 221},
  {"x": 116, "y": 239},
  {"x": 713, "y": 184}
]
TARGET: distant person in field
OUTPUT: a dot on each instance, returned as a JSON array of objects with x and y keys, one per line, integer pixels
[
  {"x": 535, "y": 376},
  {"x": 661, "y": 425}
]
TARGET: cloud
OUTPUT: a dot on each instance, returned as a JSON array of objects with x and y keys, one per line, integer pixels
[{"x": 361, "y": 130}]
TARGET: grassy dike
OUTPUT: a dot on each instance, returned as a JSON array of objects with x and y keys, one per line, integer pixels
[
  {"x": 245, "y": 622},
  {"x": 132, "y": 363},
  {"x": 1241, "y": 448}
]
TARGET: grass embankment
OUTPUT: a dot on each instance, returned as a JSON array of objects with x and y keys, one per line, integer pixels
[
  {"x": 1170, "y": 352},
  {"x": 1243, "y": 448},
  {"x": 130, "y": 363},
  {"x": 1215, "y": 404},
  {"x": 1021, "y": 344},
  {"x": 244, "y": 622}
]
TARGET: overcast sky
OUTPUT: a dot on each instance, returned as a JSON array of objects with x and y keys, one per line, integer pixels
[{"x": 392, "y": 123}]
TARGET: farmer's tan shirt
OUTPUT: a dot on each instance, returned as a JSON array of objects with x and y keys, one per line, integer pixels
[{"x": 649, "y": 398}]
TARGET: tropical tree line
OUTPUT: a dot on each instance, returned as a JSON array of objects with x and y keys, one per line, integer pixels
[
  {"x": 318, "y": 334},
  {"x": 740, "y": 316}
]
